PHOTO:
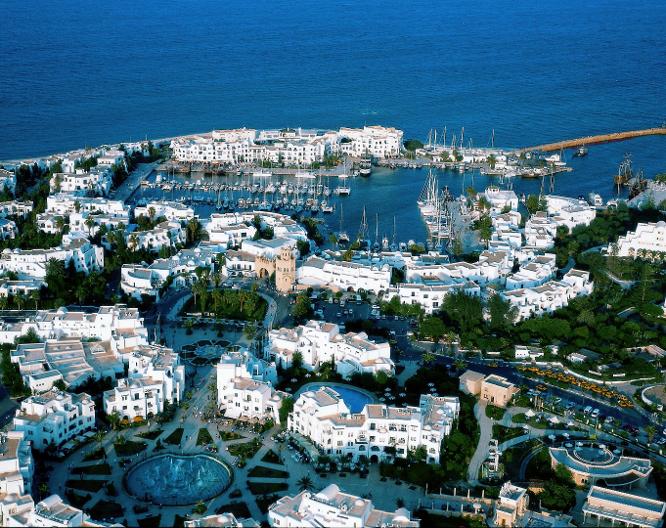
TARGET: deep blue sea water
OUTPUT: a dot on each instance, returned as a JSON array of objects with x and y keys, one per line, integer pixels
[{"x": 81, "y": 73}]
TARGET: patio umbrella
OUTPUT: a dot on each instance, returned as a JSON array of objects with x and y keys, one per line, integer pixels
[{"x": 530, "y": 413}]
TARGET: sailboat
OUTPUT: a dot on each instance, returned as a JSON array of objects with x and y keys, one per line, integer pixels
[{"x": 343, "y": 237}]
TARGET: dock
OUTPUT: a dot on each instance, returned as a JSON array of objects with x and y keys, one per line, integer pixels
[{"x": 594, "y": 140}]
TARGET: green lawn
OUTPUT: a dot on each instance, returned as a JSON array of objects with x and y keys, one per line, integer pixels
[
  {"x": 105, "y": 508},
  {"x": 151, "y": 435},
  {"x": 263, "y": 488},
  {"x": 86, "y": 485},
  {"x": 175, "y": 437},
  {"x": 264, "y": 472},
  {"x": 502, "y": 433},
  {"x": 150, "y": 522},
  {"x": 97, "y": 454},
  {"x": 129, "y": 448},
  {"x": 76, "y": 499},
  {"x": 496, "y": 413},
  {"x": 239, "y": 509},
  {"x": 272, "y": 457},
  {"x": 230, "y": 435},
  {"x": 95, "y": 469},
  {"x": 246, "y": 450},
  {"x": 204, "y": 437}
]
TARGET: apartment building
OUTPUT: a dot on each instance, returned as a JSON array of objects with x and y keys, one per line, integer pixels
[
  {"x": 319, "y": 342},
  {"x": 333, "y": 507},
  {"x": 378, "y": 432},
  {"x": 55, "y": 417},
  {"x": 605, "y": 507},
  {"x": 172, "y": 211},
  {"x": 647, "y": 241},
  {"x": 341, "y": 275},
  {"x": 155, "y": 376}
]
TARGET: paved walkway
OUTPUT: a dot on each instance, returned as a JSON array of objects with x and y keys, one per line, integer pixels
[
  {"x": 481, "y": 453},
  {"x": 133, "y": 181}
]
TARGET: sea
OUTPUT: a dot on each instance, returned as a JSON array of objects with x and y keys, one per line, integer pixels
[{"x": 82, "y": 73}]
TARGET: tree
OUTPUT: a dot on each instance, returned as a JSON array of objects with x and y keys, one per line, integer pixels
[
  {"x": 413, "y": 144},
  {"x": 433, "y": 328},
  {"x": 305, "y": 483},
  {"x": 302, "y": 308},
  {"x": 535, "y": 203},
  {"x": 286, "y": 407},
  {"x": 484, "y": 226},
  {"x": 427, "y": 358},
  {"x": 55, "y": 275},
  {"x": 502, "y": 314}
]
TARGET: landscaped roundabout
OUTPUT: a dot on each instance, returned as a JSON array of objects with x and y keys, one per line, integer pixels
[{"x": 178, "y": 480}]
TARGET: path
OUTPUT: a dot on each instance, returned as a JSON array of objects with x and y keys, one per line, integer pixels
[
  {"x": 481, "y": 453},
  {"x": 133, "y": 181},
  {"x": 591, "y": 140}
]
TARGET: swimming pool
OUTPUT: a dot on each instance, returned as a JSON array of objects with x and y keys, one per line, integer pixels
[{"x": 353, "y": 397}]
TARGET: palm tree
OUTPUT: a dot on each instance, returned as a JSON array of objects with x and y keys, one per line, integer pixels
[
  {"x": 427, "y": 358},
  {"x": 305, "y": 483},
  {"x": 90, "y": 223},
  {"x": 35, "y": 296}
]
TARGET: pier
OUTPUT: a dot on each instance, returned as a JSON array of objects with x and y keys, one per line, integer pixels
[{"x": 594, "y": 140}]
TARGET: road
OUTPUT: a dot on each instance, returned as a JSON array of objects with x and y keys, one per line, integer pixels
[{"x": 133, "y": 181}]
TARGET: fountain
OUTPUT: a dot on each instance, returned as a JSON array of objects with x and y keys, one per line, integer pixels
[{"x": 178, "y": 479}]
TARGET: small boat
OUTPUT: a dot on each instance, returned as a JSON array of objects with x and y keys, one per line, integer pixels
[
  {"x": 580, "y": 152},
  {"x": 365, "y": 167}
]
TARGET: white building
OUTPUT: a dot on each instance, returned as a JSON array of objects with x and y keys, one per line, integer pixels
[
  {"x": 648, "y": 241},
  {"x": 7, "y": 181},
  {"x": 540, "y": 231},
  {"x": 24, "y": 287},
  {"x": 570, "y": 212},
  {"x": 51, "y": 512},
  {"x": 537, "y": 272},
  {"x": 167, "y": 234},
  {"x": 16, "y": 464},
  {"x": 222, "y": 520},
  {"x": 430, "y": 295},
  {"x": 244, "y": 388},
  {"x": 231, "y": 229},
  {"x": 155, "y": 376},
  {"x": 137, "y": 280},
  {"x": 318, "y": 342},
  {"x": 527, "y": 352},
  {"x": 500, "y": 199},
  {"x": 332, "y": 507},
  {"x": 375, "y": 141},
  {"x": 66, "y": 204},
  {"x": 32, "y": 263},
  {"x": 378, "y": 432},
  {"x": 55, "y": 417},
  {"x": 97, "y": 182},
  {"x": 342, "y": 275},
  {"x": 71, "y": 360},
  {"x": 172, "y": 211},
  {"x": 549, "y": 296},
  {"x": 16, "y": 208},
  {"x": 120, "y": 324},
  {"x": 8, "y": 229}
]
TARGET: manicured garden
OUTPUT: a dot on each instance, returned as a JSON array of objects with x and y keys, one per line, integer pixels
[
  {"x": 86, "y": 485},
  {"x": 264, "y": 472},
  {"x": 272, "y": 457},
  {"x": 126, "y": 448},
  {"x": 204, "y": 437},
  {"x": 230, "y": 435},
  {"x": 175, "y": 437},
  {"x": 246, "y": 450},
  {"x": 95, "y": 469},
  {"x": 104, "y": 508},
  {"x": 262, "y": 488},
  {"x": 496, "y": 413},
  {"x": 150, "y": 435}
]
